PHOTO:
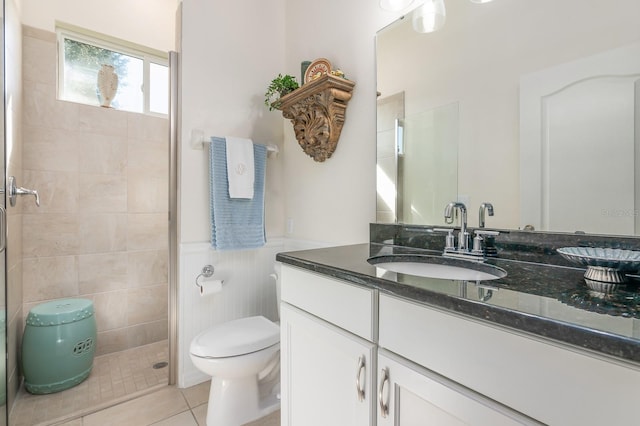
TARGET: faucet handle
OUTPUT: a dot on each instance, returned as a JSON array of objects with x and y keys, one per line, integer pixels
[
  {"x": 479, "y": 246},
  {"x": 486, "y": 232},
  {"x": 443, "y": 230},
  {"x": 450, "y": 241}
]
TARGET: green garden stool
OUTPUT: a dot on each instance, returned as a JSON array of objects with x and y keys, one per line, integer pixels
[{"x": 58, "y": 345}]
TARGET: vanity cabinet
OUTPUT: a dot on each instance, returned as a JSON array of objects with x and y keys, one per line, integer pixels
[
  {"x": 544, "y": 380},
  {"x": 410, "y": 395},
  {"x": 327, "y": 352},
  {"x": 327, "y": 373},
  {"x": 353, "y": 356}
]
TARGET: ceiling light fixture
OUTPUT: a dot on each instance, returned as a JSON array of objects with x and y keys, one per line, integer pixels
[{"x": 429, "y": 17}]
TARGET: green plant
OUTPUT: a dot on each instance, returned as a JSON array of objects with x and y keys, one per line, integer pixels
[{"x": 280, "y": 86}]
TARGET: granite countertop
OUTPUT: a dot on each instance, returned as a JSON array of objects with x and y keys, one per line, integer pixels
[{"x": 547, "y": 301}]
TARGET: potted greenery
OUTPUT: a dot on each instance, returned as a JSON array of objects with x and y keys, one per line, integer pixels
[{"x": 280, "y": 86}]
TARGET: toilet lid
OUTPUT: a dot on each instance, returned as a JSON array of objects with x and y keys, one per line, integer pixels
[{"x": 237, "y": 337}]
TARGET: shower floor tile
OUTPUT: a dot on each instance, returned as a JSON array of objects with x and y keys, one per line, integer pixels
[{"x": 115, "y": 378}]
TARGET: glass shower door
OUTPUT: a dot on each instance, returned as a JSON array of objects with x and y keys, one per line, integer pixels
[{"x": 3, "y": 236}]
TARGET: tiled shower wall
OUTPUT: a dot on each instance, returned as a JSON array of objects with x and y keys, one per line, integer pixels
[{"x": 101, "y": 231}]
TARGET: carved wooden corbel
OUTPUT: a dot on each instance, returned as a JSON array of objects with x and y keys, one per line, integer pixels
[{"x": 317, "y": 111}]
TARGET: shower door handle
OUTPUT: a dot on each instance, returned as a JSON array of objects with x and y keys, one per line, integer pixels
[
  {"x": 13, "y": 191},
  {"x": 3, "y": 229}
]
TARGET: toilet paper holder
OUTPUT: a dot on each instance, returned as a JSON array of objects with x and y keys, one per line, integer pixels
[{"x": 207, "y": 272}]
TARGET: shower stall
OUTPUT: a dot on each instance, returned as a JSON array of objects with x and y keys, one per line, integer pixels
[{"x": 106, "y": 228}]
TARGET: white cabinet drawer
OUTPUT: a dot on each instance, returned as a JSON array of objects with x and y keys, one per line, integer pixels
[
  {"x": 553, "y": 384},
  {"x": 417, "y": 396},
  {"x": 348, "y": 306}
]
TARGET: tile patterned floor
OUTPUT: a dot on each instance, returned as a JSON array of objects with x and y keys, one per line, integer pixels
[
  {"x": 123, "y": 389},
  {"x": 115, "y": 378},
  {"x": 167, "y": 407}
]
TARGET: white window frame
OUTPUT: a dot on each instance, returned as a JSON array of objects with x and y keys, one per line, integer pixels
[{"x": 146, "y": 54}]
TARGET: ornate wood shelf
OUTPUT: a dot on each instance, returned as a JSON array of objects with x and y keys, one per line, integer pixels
[{"x": 317, "y": 111}]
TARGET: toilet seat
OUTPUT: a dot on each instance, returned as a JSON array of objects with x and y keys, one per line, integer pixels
[{"x": 237, "y": 337}]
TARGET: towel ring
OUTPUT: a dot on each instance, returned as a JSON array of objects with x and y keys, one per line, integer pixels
[{"x": 207, "y": 272}]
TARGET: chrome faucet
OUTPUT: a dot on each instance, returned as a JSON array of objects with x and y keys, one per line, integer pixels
[
  {"x": 463, "y": 237},
  {"x": 488, "y": 207},
  {"x": 481, "y": 248}
]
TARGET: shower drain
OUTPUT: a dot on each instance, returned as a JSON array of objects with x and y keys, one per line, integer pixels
[{"x": 159, "y": 365}]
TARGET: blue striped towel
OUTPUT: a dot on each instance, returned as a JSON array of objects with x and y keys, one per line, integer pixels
[{"x": 236, "y": 223}]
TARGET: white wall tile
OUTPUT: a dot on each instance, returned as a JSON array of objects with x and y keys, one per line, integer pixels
[
  {"x": 99, "y": 193},
  {"x": 100, "y": 233},
  {"x": 50, "y": 235},
  {"x": 100, "y": 153},
  {"x": 102, "y": 272},
  {"x": 146, "y": 304},
  {"x": 147, "y": 268},
  {"x": 50, "y": 278},
  {"x": 147, "y": 231}
]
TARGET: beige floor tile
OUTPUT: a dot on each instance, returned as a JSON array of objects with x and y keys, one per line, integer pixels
[
  {"x": 183, "y": 419},
  {"x": 145, "y": 410},
  {"x": 198, "y": 394},
  {"x": 200, "y": 413},
  {"x": 167, "y": 406},
  {"x": 272, "y": 419}
]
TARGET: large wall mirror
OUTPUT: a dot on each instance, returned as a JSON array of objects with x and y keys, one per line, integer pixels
[{"x": 532, "y": 106}]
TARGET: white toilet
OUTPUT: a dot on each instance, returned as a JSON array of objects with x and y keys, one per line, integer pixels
[{"x": 243, "y": 358}]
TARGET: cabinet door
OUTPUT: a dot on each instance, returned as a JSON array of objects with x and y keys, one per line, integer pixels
[
  {"x": 410, "y": 395},
  {"x": 326, "y": 373}
]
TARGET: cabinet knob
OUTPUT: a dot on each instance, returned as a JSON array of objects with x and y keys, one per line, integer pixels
[
  {"x": 359, "y": 387},
  {"x": 384, "y": 407}
]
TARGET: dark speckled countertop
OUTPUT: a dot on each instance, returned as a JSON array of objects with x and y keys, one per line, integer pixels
[{"x": 548, "y": 301}]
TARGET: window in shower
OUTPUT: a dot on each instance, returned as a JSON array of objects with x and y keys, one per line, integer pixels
[{"x": 143, "y": 74}]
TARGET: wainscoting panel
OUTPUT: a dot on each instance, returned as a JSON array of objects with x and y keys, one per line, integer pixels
[{"x": 248, "y": 290}]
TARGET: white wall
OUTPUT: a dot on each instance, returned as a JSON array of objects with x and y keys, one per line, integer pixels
[
  {"x": 150, "y": 23},
  {"x": 222, "y": 93},
  {"x": 230, "y": 52},
  {"x": 335, "y": 201}
]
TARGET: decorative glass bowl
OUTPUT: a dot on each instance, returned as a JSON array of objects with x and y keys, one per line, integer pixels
[{"x": 604, "y": 265}]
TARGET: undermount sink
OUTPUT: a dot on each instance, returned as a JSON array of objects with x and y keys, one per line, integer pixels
[{"x": 438, "y": 267}]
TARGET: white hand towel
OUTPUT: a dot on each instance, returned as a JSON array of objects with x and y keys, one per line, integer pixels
[{"x": 240, "y": 167}]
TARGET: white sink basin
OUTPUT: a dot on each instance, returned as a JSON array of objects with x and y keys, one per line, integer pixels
[{"x": 438, "y": 267}]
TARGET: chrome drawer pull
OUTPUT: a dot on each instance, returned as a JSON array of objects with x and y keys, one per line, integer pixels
[
  {"x": 359, "y": 388},
  {"x": 384, "y": 408}
]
